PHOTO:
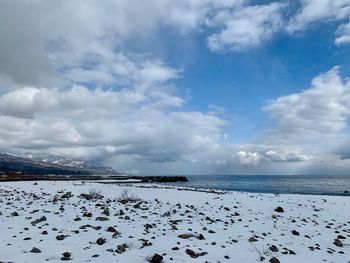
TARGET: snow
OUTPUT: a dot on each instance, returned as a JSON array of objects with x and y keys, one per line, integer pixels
[{"x": 220, "y": 217}]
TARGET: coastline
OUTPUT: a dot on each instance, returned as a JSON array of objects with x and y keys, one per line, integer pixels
[{"x": 215, "y": 225}]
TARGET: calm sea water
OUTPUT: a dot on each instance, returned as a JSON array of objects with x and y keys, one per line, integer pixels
[{"x": 321, "y": 185}]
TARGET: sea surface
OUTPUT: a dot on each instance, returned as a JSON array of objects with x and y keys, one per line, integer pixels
[{"x": 286, "y": 184}]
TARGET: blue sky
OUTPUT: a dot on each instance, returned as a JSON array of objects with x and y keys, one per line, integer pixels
[{"x": 173, "y": 87}]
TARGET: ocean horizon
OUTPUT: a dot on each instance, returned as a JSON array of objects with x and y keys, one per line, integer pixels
[{"x": 277, "y": 184}]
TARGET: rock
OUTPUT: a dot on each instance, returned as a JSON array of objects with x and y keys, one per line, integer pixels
[
  {"x": 35, "y": 250},
  {"x": 279, "y": 209},
  {"x": 60, "y": 237},
  {"x": 112, "y": 229},
  {"x": 106, "y": 212},
  {"x": 100, "y": 241},
  {"x": 274, "y": 260},
  {"x": 156, "y": 258},
  {"x": 44, "y": 232},
  {"x": 185, "y": 236},
  {"x": 66, "y": 256},
  {"x": 200, "y": 237},
  {"x": 121, "y": 248},
  {"x": 67, "y": 195},
  {"x": 102, "y": 218},
  {"x": 341, "y": 237},
  {"x": 338, "y": 243},
  {"x": 191, "y": 253},
  {"x": 295, "y": 233},
  {"x": 252, "y": 239},
  {"x": 273, "y": 248}
]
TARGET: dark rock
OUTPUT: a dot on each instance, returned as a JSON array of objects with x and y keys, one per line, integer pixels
[
  {"x": 252, "y": 239},
  {"x": 191, "y": 253},
  {"x": 274, "y": 260},
  {"x": 273, "y": 248},
  {"x": 185, "y": 236},
  {"x": 338, "y": 243},
  {"x": 295, "y": 233},
  {"x": 112, "y": 229},
  {"x": 60, "y": 237},
  {"x": 279, "y": 209},
  {"x": 156, "y": 259},
  {"x": 200, "y": 237},
  {"x": 100, "y": 241},
  {"x": 66, "y": 256},
  {"x": 35, "y": 250},
  {"x": 102, "y": 218},
  {"x": 121, "y": 248}
]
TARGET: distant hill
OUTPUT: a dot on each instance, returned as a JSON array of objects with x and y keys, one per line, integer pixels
[{"x": 45, "y": 164}]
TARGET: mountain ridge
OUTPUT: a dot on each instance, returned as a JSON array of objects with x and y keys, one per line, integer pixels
[{"x": 46, "y": 164}]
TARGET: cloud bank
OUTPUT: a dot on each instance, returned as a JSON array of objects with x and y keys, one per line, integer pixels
[{"x": 70, "y": 86}]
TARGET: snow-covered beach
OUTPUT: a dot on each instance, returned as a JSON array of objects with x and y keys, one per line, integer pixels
[{"x": 55, "y": 221}]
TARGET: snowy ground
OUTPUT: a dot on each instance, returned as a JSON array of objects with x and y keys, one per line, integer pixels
[{"x": 181, "y": 226}]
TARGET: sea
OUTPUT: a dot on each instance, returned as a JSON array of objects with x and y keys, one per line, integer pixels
[{"x": 277, "y": 184}]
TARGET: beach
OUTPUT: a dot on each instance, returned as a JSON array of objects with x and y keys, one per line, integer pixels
[{"x": 93, "y": 222}]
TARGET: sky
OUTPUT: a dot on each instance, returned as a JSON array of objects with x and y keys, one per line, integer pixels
[{"x": 179, "y": 87}]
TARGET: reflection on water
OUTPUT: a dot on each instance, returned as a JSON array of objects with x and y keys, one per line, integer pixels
[{"x": 327, "y": 185}]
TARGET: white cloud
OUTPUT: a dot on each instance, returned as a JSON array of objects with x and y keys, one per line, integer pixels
[
  {"x": 245, "y": 27},
  {"x": 320, "y": 111},
  {"x": 321, "y": 11},
  {"x": 245, "y": 157},
  {"x": 343, "y": 34},
  {"x": 250, "y": 158},
  {"x": 99, "y": 123}
]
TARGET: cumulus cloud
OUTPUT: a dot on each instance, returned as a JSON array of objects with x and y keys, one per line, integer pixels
[
  {"x": 43, "y": 40},
  {"x": 245, "y": 27},
  {"x": 319, "y": 111},
  {"x": 255, "y": 158},
  {"x": 316, "y": 11},
  {"x": 99, "y": 123},
  {"x": 343, "y": 34}
]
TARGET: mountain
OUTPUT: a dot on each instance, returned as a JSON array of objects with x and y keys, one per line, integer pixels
[{"x": 45, "y": 164}]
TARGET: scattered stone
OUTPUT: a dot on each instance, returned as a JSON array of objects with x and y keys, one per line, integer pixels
[
  {"x": 35, "y": 250},
  {"x": 185, "y": 236},
  {"x": 66, "y": 256},
  {"x": 338, "y": 243},
  {"x": 100, "y": 241},
  {"x": 102, "y": 218},
  {"x": 295, "y": 233},
  {"x": 279, "y": 209},
  {"x": 252, "y": 239},
  {"x": 60, "y": 237},
  {"x": 274, "y": 260},
  {"x": 112, "y": 229},
  {"x": 156, "y": 258},
  {"x": 191, "y": 253},
  {"x": 273, "y": 248}
]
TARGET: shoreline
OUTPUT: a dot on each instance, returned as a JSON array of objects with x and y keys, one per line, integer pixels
[{"x": 184, "y": 225}]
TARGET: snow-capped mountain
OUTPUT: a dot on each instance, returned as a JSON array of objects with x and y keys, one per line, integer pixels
[{"x": 29, "y": 163}]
